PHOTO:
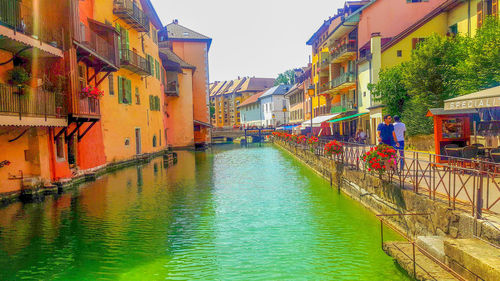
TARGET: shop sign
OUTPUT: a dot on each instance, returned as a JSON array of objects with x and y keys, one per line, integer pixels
[{"x": 475, "y": 103}]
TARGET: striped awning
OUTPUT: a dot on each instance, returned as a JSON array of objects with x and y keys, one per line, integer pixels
[
  {"x": 347, "y": 117},
  {"x": 13, "y": 120}
]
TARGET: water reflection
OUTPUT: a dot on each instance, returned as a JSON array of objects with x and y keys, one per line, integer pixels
[{"x": 248, "y": 213}]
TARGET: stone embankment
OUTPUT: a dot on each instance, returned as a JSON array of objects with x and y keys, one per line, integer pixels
[
  {"x": 441, "y": 234},
  {"x": 34, "y": 189}
]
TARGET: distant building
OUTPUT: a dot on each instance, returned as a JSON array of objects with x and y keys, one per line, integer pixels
[
  {"x": 250, "y": 111},
  {"x": 225, "y": 97},
  {"x": 274, "y": 106}
]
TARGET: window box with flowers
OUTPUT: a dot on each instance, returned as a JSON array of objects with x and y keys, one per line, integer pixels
[
  {"x": 333, "y": 148},
  {"x": 313, "y": 143},
  {"x": 91, "y": 92}
]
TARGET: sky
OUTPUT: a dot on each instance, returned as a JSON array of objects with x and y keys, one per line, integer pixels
[{"x": 260, "y": 38}]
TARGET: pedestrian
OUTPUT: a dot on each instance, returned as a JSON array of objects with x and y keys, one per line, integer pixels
[
  {"x": 400, "y": 132},
  {"x": 385, "y": 131},
  {"x": 361, "y": 136}
]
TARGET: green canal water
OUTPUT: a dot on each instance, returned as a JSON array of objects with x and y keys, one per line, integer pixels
[{"x": 230, "y": 214}]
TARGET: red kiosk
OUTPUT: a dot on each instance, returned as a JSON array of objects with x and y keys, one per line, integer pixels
[{"x": 451, "y": 127}]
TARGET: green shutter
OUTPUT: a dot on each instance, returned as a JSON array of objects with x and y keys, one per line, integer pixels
[
  {"x": 162, "y": 76},
  {"x": 120, "y": 90},
  {"x": 129, "y": 91},
  {"x": 158, "y": 106},
  {"x": 150, "y": 102},
  {"x": 157, "y": 68}
]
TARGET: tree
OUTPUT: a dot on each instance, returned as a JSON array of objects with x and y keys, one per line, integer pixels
[
  {"x": 287, "y": 78},
  {"x": 482, "y": 68},
  {"x": 390, "y": 90}
]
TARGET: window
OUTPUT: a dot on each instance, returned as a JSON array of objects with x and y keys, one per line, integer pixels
[
  {"x": 453, "y": 29},
  {"x": 137, "y": 96},
  {"x": 416, "y": 41},
  {"x": 159, "y": 135},
  {"x": 155, "y": 36},
  {"x": 124, "y": 90},
  {"x": 154, "y": 141},
  {"x": 111, "y": 85},
  {"x": 60, "y": 147},
  {"x": 399, "y": 53},
  {"x": 154, "y": 103},
  {"x": 151, "y": 66}
]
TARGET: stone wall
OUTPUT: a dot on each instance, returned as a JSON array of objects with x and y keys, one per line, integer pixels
[{"x": 383, "y": 197}]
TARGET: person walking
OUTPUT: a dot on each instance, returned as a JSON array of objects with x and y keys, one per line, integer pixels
[
  {"x": 400, "y": 132},
  {"x": 385, "y": 131}
]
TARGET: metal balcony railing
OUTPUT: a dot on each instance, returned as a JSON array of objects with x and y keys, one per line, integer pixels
[
  {"x": 134, "y": 62},
  {"x": 32, "y": 102},
  {"x": 343, "y": 52},
  {"x": 131, "y": 14},
  {"x": 95, "y": 43},
  {"x": 344, "y": 78},
  {"x": 19, "y": 16}
]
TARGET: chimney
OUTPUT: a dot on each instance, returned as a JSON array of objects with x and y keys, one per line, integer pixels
[
  {"x": 175, "y": 21},
  {"x": 376, "y": 55}
]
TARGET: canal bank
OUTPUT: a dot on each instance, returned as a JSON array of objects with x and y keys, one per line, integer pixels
[
  {"x": 233, "y": 213},
  {"x": 36, "y": 189},
  {"x": 435, "y": 219}
]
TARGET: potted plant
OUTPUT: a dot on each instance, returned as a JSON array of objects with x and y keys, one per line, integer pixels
[
  {"x": 333, "y": 148},
  {"x": 380, "y": 159},
  {"x": 17, "y": 77},
  {"x": 313, "y": 142}
]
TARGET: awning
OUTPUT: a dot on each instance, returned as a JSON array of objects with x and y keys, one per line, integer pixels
[
  {"x": 201, "y": 123},
  {"x": 13, "y": 120},
  {"x": 441, "y": 111},
  {"x": 347, "y": 117},
  {"x": 482, "y": 99},
  {"x": 288, "y": 127},
  {"x": 318, "y": 120}
]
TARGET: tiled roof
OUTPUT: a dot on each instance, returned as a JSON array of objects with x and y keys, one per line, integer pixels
[
  {"x": 251, "y": 99},
  {"x": 217, "y": 88},
  {"x": 245, "y": 84},
  {"x": 277, "y": 90},
  {"x": 150, "y": 11},
  {"x": 258, "y": 84}
]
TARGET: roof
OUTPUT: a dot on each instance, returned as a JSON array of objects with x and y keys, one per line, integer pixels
[
  {"x": 294, "y": 89},
  {"x": 441, "y": 111},
  {"x": 175, "y": 31},
  {"x": 482, "y": 99},
  {"x": 446, "y": 6},
  {"x": 318, "y": 120},
  {"x": 251, "y": 99},
  {"x": 166, "y": 53},
  {"x": 148, "y": 8},
  {"x": 277, "y": 90},
  {"x": 245, "y": 84}
]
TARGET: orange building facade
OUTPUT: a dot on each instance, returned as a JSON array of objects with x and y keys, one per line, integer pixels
[{"x": 192, "y": 49}]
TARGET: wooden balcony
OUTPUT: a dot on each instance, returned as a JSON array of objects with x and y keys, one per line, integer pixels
[
  {"x": 18, "y": 30},
  {"x": 31, "y": 107},
  {"x": 96, "y": 46},
  {"x": 85, "y": 108},
  {"x": 172, "y": 87},
  {"x": 134, "y": 62},
  {"x": 344, "y": 52},
  {"x": 130, "y": 12}
]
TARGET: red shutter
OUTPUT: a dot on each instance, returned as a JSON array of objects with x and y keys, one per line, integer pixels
[
  {"x": 414, "y": 42},
  {"x": 479, "y": 14}
]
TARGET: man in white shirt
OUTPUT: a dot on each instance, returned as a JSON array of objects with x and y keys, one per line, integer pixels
[{"x": 400, "y": 132}]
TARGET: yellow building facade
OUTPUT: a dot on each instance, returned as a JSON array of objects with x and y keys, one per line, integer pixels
[{"x": 132, "y": 108}]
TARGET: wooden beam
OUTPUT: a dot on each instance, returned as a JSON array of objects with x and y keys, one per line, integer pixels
[
  {"x": 78, "y": 125},
  {"x": 100, "y": 81},
  {"x": 96, "y": 71},
  {"x": 60, "y": 133},
  {"x": 80, "y": 137}
]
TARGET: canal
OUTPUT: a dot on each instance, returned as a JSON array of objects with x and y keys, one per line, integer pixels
[{"x": 233, "y": 213}]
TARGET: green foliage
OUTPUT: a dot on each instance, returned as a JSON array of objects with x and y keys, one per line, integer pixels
[
  {"x": 18, "y": 76},
  {"x": 212, "y": 110},
  {"x": 287, "y": 78},
  {"x": 391, "y": 90}
]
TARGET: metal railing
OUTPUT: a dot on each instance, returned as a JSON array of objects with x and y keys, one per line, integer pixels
[
  {"x": 34, "y": 102},
  {"x": 346, "y": 77},
  {"x": 467, "y": 184},
  {"x": 131, "y": 13},
  {"x": 346, "y": 48},
  {"x": 95, "y": 43},
  {"x": 17, "y": 15},
  {"x": 134, "y": 62}
]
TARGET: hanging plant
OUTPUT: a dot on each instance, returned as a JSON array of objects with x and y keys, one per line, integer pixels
[
  {"x": 18, "y": 76},
  {"x": 4, "y": 163},
  {"x": 333, "y": 148},
  {"x": 313, "y": 143},
  {"x": 380, "y": 159}
]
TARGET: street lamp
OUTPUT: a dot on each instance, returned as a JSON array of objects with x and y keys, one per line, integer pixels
[{"x": 310, "y": 93}]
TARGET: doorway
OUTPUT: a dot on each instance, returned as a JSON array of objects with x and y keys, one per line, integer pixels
[{"x": 138, "y": 140}]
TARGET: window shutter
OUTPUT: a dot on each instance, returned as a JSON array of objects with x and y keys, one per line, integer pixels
[
  {"x": 158, "y": 103},
  {"x": 111, "y": 85},
  {"x": 157, "y": 69},
  {"x": 127, "y": 43},
  {"x": 150, "y": 102},
  {"x": 414, "y": 42},
  {"x": 494, "y": 8},
  {"x": 120, "y": 90},
  {"x": 479, "y": 14},
  {"x": 129, "y": 92},
  {"x": 118, "y": 29}
]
